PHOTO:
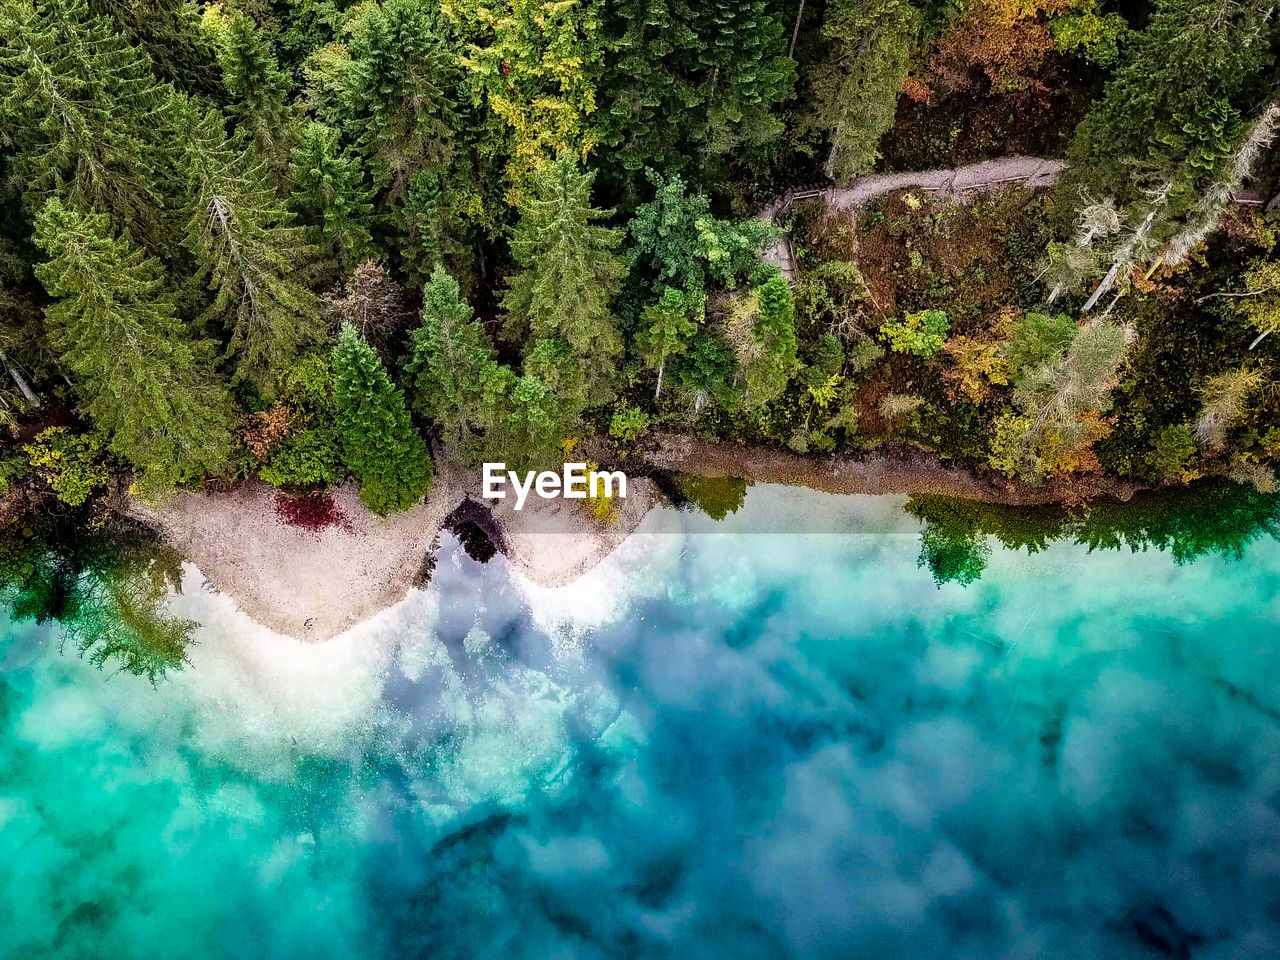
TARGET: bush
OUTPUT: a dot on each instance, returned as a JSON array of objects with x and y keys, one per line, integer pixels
[
  {"x": 70, "y": 463},
  {"x": 1174, "y": 446},
  {"x": 921, "y": 334},
  {"x": 307, "y": 459},
  {"x": 628, "y": 423}
]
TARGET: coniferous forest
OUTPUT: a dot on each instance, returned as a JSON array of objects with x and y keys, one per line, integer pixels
[{"x": 312, "y": 240}]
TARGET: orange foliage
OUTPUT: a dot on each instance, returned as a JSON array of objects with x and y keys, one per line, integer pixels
[
  {"x": 1004, "y": 39},
  {"x": 265, "y": 431}
]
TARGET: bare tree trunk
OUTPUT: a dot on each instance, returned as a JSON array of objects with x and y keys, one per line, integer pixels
[
  {"x": 661, "y": 365},
  {"x": 795, "y": 34},
  {"x": 1259, "y": 338},
  {"x": 22, "y": 383}
]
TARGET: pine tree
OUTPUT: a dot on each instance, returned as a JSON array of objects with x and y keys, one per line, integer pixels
[
  {"x": 856, "y": 89},
  {"x": 569, "y": 273},
  {"x": 379, "y": 444},
  {"x": 394, "y": 103},
  {"x": 665, "y": 331},
  {"x": 449, "y": 365},
  {"x": 330, "y": 194},
  {"x": 258, "y": 87},
  {"x": 139, "y": 376},
  {"x": 248, "y": 250},
  {"x": 80, "y": 108},
  {"x": 761, "y": 330},
  {"x": 436, "y": 221}
]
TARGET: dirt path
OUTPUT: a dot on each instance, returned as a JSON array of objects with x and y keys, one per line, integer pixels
[{"x": 954, "y": 184}]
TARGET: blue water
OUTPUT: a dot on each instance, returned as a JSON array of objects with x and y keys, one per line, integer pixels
[{"x": 728, "y": 745}]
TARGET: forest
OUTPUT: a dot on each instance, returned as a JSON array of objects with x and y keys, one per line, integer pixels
[{"x": 318, "y": 240}]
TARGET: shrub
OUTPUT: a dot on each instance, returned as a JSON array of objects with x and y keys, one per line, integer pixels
[
  {"x": 628, "y": 423},
  {"x": 1174, "y": 446},
  {"x": 305, "y": 459},
  {"x": 922, "y": 333},
  {"x": 70, "y": 463},
  {"x": 314, "y": 511}
]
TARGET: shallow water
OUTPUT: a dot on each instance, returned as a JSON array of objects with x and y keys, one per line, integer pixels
[{"x": 737, "y": 744}]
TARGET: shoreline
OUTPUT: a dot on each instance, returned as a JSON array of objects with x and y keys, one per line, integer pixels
[{"x": 315, "y": 584}]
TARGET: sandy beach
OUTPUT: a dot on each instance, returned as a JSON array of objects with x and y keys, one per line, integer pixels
[{"x": 314, "y": 584}]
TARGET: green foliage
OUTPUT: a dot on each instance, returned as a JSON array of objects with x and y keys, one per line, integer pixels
[
  {"x": 856, "y": 88},
  {"x": 1090, "y": 33},
  {"x": 762, "y": 331},
  {"x": 80, "y": 109},
  {"x": 258, "y": 87},
  {"x": 450, "y": 367},
  {"x": 248, "y": 250},
  {"x": 139, "y": 375},
  {"x": 922, "y": 333},
  {"x": 665, "y": 331},
  {"x": 1172, "y": 110},
  {"x": 1174, "y": 447},
  {"x": 307, "y": 458},
  {"x": 569, "y": 272},
  {"x": 379, "y": 444},
  {"x": 69, "y": 463},
  {"x": 1035, "y": 338},
  {"x": 330, "y": 194},
  {"x": 627, "y": 423},
  {"x": 689, "y": 83}
]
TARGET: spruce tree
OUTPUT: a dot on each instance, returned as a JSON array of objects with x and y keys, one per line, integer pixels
[
  {"x": 248, "y": 250},
  {"x": 1168, "y": 119},
  {"x": 170, "y": 33},
  {"x": 449, "y": 364},
  {"x": 258, "y": 87},
  {"x": 856, "y": 89},
  {"x": 380, "y": 446},
  {"x": 331, "y": 196},
  {"x": 394, "y": 101},
  {"x": 80, "y": 108},
  {"x": 569, "y": 272},
  {"x": 139, "y": 375},
  {"x": 689, "y": 82}
]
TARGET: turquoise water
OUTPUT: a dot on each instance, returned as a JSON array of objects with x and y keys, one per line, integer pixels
[{"x": 737, "y": 744}]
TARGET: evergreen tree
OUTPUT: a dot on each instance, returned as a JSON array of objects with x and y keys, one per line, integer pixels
[
  {"x": 436, "y": 221},
  {"x": 80, "y": 108},
  {"x": 394, "y": 104},
  {"x": 248, "y": 251},
  {"x": 665, "y": 331},
  {"x": 856, "y": 89},
  {"x": 170, "y": 33},
  {"x": 569, "y": 273},
  {"x": 690, "y": 81},
  {"x": 139, "y": 376},
  {"x": 379, "y": 444},
  {"x": 258, "y": 87},
  {"x": 449, "y": 366},
  {"x": 761, "y": 330},
  {"x": 329, "y": 193},
  {"x": 536, "y": 66},
  {"x": 1168, "y": 118}
]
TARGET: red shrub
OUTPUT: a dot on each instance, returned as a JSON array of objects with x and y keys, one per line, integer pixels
[{"x": 311, "y": 511}]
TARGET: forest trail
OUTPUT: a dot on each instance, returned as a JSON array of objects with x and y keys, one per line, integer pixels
[{"x": 952, "y": 182}]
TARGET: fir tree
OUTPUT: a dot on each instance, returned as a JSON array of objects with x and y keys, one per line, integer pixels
[
  {"x": 139, "y": 376},
  {"x": 170, "y": 33},
  {"x": 394, "y": 103},
  {"x": 330, "y": 194},
  {"x": 379, "y": 444},
  {"x": 449, "y": 365},
  {"x": 856, "y": 89},
  {"x": 80, "y": 108},
  {"x": 569, "y": 273},
  {"x": 248, "y": 251},
  {"x": 761, "y": 330},
  {"x": 258, "y": 87},
  {"x": 691, "y": 82}
]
